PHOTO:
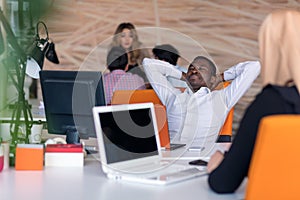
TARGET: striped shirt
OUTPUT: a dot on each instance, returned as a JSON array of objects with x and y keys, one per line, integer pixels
[{"x": 120, "y": 80}]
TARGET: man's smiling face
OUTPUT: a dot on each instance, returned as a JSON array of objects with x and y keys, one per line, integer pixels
[{"x": 199, "y": 74}]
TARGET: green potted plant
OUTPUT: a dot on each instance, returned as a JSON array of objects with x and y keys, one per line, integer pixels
[{"x": 15, "y": 59}]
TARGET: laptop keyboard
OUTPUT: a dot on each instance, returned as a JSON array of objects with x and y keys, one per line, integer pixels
[
  {"x": 191, "y": 172},
  {"x": 170, "y": 174},
  {"x": 166, "y": 171},
  {"x": 154, "y": 167}
]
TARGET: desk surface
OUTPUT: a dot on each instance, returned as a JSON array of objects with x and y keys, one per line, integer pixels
[{"x": 89, "y": 182}]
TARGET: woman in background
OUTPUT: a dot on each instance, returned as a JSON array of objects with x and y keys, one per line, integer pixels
[
  {"x": 279, "y": 43},
  {"x": 126, "y": 36}
]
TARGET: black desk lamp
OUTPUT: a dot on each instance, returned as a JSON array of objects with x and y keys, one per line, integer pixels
[
  {"x": 21, "y": 64},
  {"x": 41, "y": 47}
]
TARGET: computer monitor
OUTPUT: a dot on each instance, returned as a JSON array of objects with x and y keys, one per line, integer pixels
[{"x": 69, "y": 97}]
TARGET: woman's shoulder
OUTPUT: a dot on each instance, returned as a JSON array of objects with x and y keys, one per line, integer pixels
[
  {"x": 284, "y": 91},
  {"x": 286, "y": 94}
]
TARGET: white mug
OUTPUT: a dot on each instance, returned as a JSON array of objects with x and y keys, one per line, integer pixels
[
  {"x": 36, "y": 134},
  {"x": 5, "y": 146},
  {"x": 1, "y": 158},
  {"x": 5, "y": 131}
]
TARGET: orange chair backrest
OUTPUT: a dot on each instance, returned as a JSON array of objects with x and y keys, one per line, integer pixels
[
  {"x": 274, "y": 169},
  {"x": 135, "y": 96},
  {"x": 143, "y": 96},
  {"x": 226, "y": 130},
  {"x": 225, "y": 133}
]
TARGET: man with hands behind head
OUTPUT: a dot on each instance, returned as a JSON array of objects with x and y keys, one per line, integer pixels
[{"x": 196, "y": 116}]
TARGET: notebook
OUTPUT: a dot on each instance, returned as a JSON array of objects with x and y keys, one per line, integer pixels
[
  {"x": 145, "y": 96},
  {"x": 130, "y": 148}
]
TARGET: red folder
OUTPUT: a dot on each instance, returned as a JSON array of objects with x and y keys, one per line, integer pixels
[{"x": 71, "y": 148}]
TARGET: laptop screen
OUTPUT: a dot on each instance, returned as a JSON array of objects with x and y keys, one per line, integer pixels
[{"x": 128, "y": 134}]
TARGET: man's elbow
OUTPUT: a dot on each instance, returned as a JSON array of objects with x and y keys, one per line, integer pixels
[
  {"x": 146, "y": 64},
  {"x": 255, "y": 67},
  {"x": 147, "y": 61},
  {"x": 258, "y": 67}
]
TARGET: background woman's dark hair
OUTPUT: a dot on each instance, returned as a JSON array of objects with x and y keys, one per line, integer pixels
[
  {"x": 134, "y": 51},
  {"x": 124, "y": 25}
]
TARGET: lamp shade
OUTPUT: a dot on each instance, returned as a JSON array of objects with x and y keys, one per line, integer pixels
[
  {"x": 32, "y": 68},
  {"x": 35, "y": 60},
  {"x": 41, "y": 47},
  {"x": 51, "y": 54}
]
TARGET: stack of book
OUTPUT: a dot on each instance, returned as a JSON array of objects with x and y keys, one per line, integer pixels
[
  {"x": 29, "y": 157},
  {"x": 64, "y": 155}
]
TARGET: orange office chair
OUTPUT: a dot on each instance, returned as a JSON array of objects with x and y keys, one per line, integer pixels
[
  {"x": 274, "y": 169},
  {"x": 225, "y": 134},
  {"x": 143, "y": 96}
]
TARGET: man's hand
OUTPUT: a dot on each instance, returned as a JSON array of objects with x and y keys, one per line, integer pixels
[
  {"x": 219, "y": 79},
  {"x": 183, "y": 76}
]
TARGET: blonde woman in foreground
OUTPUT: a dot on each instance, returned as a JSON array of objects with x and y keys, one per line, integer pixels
[{"x": 279, "y": 44}]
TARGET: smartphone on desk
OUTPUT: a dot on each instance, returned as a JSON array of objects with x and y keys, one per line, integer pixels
[
  {"x": 90, "y": 149},
  {"x": 195, "y": 149},
  {"x": 198, "y": 162}
]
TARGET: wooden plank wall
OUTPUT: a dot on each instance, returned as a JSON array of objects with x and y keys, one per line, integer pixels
[{"x": 226, "y": 30}]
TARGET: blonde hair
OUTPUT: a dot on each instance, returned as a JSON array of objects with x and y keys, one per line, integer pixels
[
  {"x": 134, "y": 51},
  {"x": 279, "y": 44}
]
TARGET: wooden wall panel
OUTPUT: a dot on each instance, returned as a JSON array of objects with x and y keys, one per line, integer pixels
[{"x": 227, "y": 30}]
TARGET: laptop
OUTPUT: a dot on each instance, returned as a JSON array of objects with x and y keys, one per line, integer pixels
[
  {"x": 130, "y": 148},
  {"x": 145, "y": 96}
]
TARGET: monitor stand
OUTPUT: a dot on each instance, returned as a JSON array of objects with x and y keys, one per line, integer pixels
[{"x": 72, "y": 136}]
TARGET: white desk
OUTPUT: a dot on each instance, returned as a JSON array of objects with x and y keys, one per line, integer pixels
[{"x": 89, "y": 182}]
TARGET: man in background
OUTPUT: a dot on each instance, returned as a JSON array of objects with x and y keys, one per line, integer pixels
[
  {"x": 170, "y": 54},
  {"x": 118, "y": 78}
]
